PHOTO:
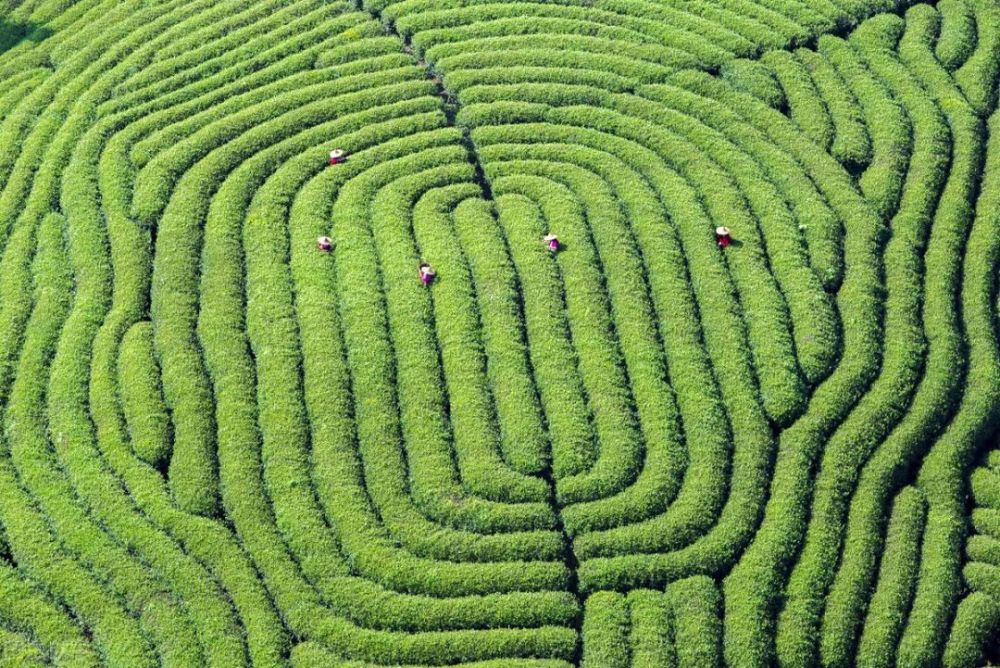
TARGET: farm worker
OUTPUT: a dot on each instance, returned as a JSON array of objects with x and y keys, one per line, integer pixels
[
  {"x": 325, "y": 244},
  {"x": 337, "y": 156},
  {"x": 426, "y": 273},
  {"x": 722, "y": 237},
  {"x": 552, "y": 241}
]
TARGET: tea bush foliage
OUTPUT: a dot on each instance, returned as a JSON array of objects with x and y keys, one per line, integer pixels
[{"x": 224, "y": 446}]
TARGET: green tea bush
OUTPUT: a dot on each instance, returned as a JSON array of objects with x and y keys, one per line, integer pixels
[
  {"x": 805, "y": 105},
  {"x": 605, "y": 631},
  {"x": 851, "y": 143},
  {"x": 958, "y": 34},
  {"x": 757, "y": 79},
  {"x": 651, "y": 636},
  {"x": 142, "y": 398},
  {"x": 228, "y": 443},
  {"x": 695, "y": 604}
]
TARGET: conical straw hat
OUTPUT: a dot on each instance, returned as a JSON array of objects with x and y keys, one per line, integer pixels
[
  {"x": 337, "y": 153},
  {"x": 722, "y": 231}
]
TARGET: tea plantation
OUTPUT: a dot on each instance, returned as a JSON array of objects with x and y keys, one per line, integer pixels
[{"x": 702, "y": 369}]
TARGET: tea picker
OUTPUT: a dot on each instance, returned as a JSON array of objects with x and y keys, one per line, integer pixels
[
  {"x": 337, "y": 156},
  {"x": 723, "y": 237},
  {"x": 426, "y": 273}
]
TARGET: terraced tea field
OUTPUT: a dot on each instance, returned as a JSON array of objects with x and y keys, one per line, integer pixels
[{"x": 651, "y": 445}]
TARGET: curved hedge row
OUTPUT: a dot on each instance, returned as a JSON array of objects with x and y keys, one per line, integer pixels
[{"x": 228, "y": 444}]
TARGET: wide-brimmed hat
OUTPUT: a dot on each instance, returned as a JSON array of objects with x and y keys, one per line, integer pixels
[
  {"x": 337, "y": 153},
  {"x": 550, "y": 237},
  {"x": 324, "y": 240},
  {"x": 722, "y": 231}
]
